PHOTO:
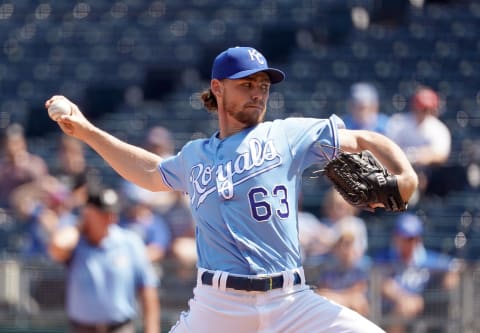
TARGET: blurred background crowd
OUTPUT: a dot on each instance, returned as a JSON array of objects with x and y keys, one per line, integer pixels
[{"x": 407, "y": 69}]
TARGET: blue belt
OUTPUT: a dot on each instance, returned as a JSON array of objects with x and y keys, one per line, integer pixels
[{"x": 251, "y": 283}]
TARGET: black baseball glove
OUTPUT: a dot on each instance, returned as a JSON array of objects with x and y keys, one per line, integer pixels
[{"x": 363, "y": 181}]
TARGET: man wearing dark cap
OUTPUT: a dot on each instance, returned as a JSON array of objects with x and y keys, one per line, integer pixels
[
  {"x": 243, "y": 184},
  {"x": 107, "y": 269},
  {"x": 410, "y": 270}
]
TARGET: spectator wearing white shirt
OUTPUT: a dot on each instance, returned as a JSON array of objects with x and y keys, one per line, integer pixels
[{"x": 424, "y": 138}]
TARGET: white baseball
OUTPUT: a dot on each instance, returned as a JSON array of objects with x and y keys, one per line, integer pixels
[{"x": 59, "y": 108}]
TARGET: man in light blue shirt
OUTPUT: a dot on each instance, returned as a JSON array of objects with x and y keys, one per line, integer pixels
[
  {"x": 107, "y": 268},
  {"x": 364, "y": 109},
  {"x": 410, "y": 269}
]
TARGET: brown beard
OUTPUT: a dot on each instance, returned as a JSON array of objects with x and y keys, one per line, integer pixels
[{"x": 248, "y": 118}]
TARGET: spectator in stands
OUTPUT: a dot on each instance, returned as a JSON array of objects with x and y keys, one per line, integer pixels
[
  {"x": 107, "y": 269},
  {"x": 315, "y": 237},
  {"x": 409, "y": 270},
  {"x": 71, "y": 164},
  {"x": 363, "y": 107},
  {"x": 17, "y": 165},
  {"x": 343, "y": 272},
  {"x": 72, "y": 170},
  {"x": 425, "y": 139},
  {"x": 40, "y": 207},
  {"x": 159, "y": 141},
  {"x": 173, "y": 207},
  {"x": 149, "y": 225},
  {"x": 336, "y": 209},
  {"x": 182, "y": 228}
]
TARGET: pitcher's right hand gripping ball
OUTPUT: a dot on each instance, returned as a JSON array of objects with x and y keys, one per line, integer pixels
[
  {"x": 364, "y": 182},
  {"x": 59, "y": 108}
]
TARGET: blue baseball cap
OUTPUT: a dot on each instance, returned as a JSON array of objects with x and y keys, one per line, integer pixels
[
  {"x": 409, "y": 225},
  {"x": 363, "y": 93},
  {"x": 239, "y": 62}
]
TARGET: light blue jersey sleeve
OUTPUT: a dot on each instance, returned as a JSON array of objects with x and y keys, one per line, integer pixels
[
  {"x": 314, "y": 143},
  {"x": 173, "y": 170}
]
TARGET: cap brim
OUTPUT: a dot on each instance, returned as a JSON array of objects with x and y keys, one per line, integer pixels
[
  {"x": 408, "y": 234},
  {"x": 275, "y": 75}
]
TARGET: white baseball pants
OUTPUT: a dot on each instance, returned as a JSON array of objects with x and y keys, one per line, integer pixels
[{"x": 292, "y": 309}]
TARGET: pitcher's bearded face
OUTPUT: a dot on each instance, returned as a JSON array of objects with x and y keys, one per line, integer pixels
[{"x": 245, "y": 99}]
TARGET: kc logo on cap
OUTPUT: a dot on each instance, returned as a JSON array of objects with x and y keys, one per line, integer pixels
[
  {"x": 239, "y": 62},
  {"x": 255, "y": 55}
]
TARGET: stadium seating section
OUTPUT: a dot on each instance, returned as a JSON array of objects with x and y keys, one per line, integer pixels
[{"x": 102, "y": 54}]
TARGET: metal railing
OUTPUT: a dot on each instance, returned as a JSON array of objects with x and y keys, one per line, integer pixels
[{"x": 32, "y": 298}]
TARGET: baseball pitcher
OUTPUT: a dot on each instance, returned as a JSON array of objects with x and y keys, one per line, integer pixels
[{"x": 243, "y": 183}]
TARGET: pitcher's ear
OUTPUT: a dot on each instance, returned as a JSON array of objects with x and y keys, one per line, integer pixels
[{"x": 217, "y": 87}]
